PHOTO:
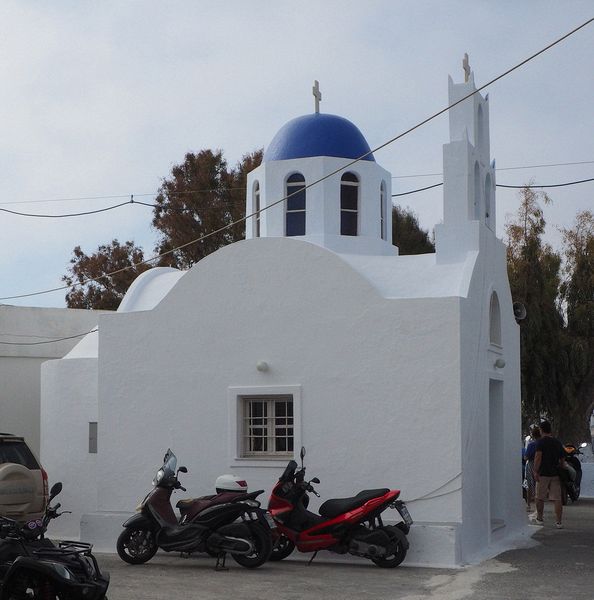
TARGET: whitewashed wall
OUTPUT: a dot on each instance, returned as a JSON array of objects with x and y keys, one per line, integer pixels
[
  {"x": 69, "y": 403},
  {"x": 20, "y": 364}
]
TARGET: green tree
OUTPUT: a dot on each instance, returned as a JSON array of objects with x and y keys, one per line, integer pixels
[
  {"x": 201, "y": 195},
  {"x": 95, "y": 290},
  {"x": 577, "y": 293},
  {"x": 534, "y": 275},
  {"x": 407, "y": 234}
]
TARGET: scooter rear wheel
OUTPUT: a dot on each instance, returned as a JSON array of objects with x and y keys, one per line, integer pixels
[
  {"x": 398, "y": 553},
  {"x": 262, "y": 548},
  {"x": 283, "y": 547},
  {"x": 136, "y": 546}
]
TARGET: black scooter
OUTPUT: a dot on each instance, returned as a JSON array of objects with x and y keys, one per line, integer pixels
[
  {"x": 213, "y": 529},
  {"x": 31, "y": 566}
]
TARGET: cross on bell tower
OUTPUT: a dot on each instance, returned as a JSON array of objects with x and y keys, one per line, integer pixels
[{"x": 317, "y": 94}]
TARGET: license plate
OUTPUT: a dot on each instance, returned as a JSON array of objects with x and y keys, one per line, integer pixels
[{"x": 405, "y": 514}]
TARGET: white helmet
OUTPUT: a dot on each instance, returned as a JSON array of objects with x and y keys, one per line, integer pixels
[{"x": 230, "y": 483}]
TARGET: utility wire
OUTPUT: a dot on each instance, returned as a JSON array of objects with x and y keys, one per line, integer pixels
[
  {"x": 242, "y": 189},
  {"x": 541, "y": 166},
  {"x": 70, "y": 337},
  {"x": 207, "y": 208},
  {"x": 313, "y": 183},
  {"x": 100, "y": 210},
  {"x": 501, "y": 185}
]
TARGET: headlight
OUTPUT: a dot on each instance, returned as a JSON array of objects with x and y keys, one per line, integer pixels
[
  {"x": 159, "y": 477},
  {"x": 62, "y": 571}
]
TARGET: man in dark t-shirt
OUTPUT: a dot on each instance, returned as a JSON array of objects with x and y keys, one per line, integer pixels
[{"x": 548, "y": 459}]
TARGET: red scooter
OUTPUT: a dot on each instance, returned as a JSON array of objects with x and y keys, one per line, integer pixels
[{"x": 344, "y": 525}]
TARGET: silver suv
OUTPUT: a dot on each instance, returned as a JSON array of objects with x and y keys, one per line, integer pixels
[{"x": 23, "y": 482}]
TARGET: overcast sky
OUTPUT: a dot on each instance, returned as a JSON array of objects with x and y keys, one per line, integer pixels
[{"x": 102, "y": 98}]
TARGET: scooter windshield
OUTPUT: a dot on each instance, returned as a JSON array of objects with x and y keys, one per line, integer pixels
[{"x": 167, "y": 471}]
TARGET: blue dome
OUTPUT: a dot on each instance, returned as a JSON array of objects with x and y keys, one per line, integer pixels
[{"x": 318, "y": 135}]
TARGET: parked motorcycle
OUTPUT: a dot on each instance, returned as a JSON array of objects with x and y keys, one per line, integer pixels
[
  {"x": 571, "y": 481},
  {"x": 204, "y": 526},
  {"x": 344, "y": 525},
  {"x": 31, "y": 566}
]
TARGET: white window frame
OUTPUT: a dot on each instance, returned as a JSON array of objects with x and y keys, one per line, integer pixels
[
  {"x": 236, "y": 401},
  {"x": 383, "y": 211},
  {"x": 256, "y": 207},
  {"x": 357, "y": 185}
]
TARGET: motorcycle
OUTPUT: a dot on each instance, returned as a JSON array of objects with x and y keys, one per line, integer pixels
[
  {"x": 31, "y": 566},
  {"x": 233, "y": 524},
  {"x": 571, "y": 480},
  {"x": 344, "y": 525}
]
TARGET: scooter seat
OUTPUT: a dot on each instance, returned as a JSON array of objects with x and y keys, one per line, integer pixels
[{"x": 336, "y": 506}]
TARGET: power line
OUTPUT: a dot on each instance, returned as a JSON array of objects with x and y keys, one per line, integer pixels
[
  {"x": 501, "y": 185},
  {"x": 119, "y": 196},
  {"x": 313, "y": 183},
  {"x": 53, "y": 341},
  {"x": 240, "y": 189},
  {"x": 105, "y": 209},
  {"x": 211, "y": 208},
  {"x": 539, "y": 166}
]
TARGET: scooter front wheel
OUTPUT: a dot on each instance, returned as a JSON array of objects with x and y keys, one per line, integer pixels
[
  {"x": 283, "y": 547},
  {"x": 262, "y": 548},
  {"x": 136, "y": 546}
]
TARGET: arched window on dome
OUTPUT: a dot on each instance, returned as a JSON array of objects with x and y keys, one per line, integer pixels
[
  {"x": 349, "y": 204},
  {"x": 256, "y": 209},
  {"x": 383, "y": 210},
  {"x": 295, "y": 205},
  {"x": 495, "y": 320}
]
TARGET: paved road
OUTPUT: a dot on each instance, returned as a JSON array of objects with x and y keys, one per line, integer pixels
[{"x": 559, "y": 566}]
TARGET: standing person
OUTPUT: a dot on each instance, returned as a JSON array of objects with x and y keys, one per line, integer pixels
[
  {"x": 548, "y": 459},
  {"x": 529, "y": 468}
]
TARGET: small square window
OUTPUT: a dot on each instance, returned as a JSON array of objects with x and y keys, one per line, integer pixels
[{"x": 267, "y": 426}]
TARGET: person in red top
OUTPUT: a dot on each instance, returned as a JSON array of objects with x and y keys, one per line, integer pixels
[{"x": 548, "y": 459}]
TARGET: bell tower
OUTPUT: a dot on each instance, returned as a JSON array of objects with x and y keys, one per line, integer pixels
[{"x": 468, "y": 172}]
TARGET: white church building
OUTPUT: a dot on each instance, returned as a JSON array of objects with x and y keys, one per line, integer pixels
[{"x": 393, "y": 371}]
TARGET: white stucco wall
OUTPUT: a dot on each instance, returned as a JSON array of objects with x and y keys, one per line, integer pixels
[
  {"x": 20, "y": 364},
  {"x": 69, "y": 403},
  {"x": 367, "y": 396}
]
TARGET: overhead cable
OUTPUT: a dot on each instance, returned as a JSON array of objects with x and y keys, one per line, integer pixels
[
  {"x": 53, "y": 341},
  {"x": 501, "y": 185},
  {"x": 313, "y": 183}
]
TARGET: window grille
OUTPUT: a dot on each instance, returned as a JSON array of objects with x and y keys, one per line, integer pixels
[{"x": 268, "y": 426}]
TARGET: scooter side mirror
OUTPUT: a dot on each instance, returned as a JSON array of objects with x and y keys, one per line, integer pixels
[
  {"x": 56, "y": 489},
  {"x": 583, "y": 444},
  {"x": 182, "y": 470},
  {"x": 302, "y": 453},
  {"x": 315, "y": 480}
]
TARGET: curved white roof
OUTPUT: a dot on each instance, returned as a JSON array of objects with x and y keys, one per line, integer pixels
[{"x": 146, "y": 291}]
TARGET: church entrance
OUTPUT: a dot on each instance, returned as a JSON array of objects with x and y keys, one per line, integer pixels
[{"x": 496, "y": 455}]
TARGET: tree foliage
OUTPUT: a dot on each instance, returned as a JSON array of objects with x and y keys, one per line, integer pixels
[
  {"x": 201, "y": 196},
  {"x": 407, "y": 234},
  {"x": 533, "y": 270},
  {"x": 577, "y": 294},
  {"x": 94, "y": 289},
  {"x": 557, "y": 337}
]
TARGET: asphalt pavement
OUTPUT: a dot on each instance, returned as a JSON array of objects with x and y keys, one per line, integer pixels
[{"x": 557, "y": 566}]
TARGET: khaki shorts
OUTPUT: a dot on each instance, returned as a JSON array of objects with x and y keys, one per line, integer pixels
[{"x": 548, "y": 486}]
